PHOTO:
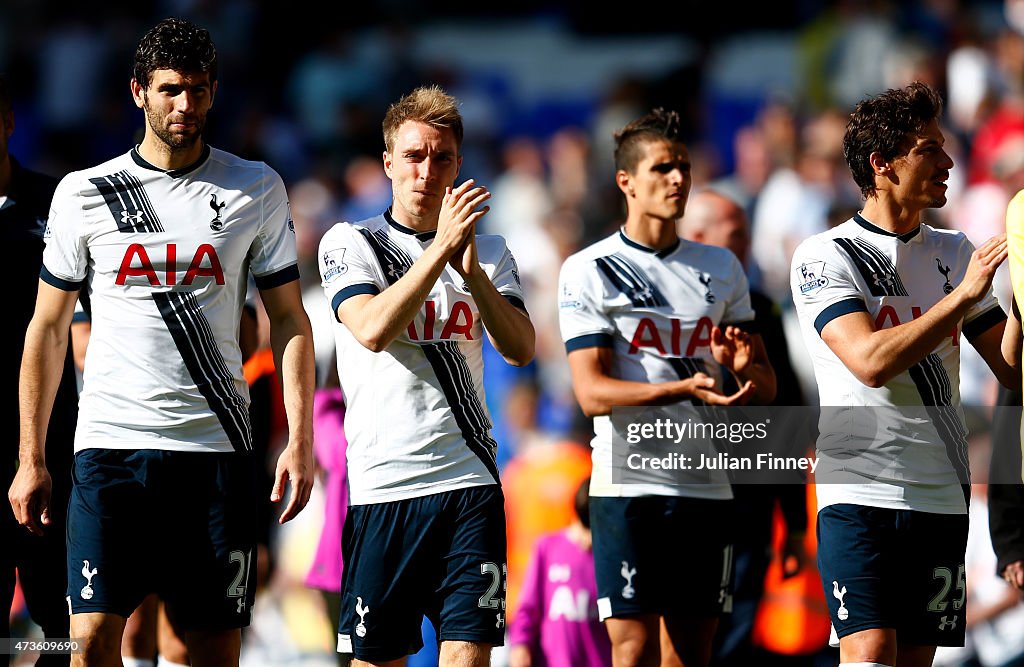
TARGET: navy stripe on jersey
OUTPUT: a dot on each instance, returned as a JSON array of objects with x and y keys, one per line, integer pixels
[
  {"x": 452, "y": 372},
  {"x": 631, "y": 281},
  {"x": 128, "y": 203},
  {"x": 589, "y": 340},
  {"x": 983, "y": 322},
  {"x": 198, "y": 348},
  {"x": 448, "y": 363},
  {"x": 60, "y": 283},
  {"x": 277, "y": 278},
  {"x": 838, "y": 309},
  {"x": 933, "y": 385},
  {"x": 876, "y": 269}
]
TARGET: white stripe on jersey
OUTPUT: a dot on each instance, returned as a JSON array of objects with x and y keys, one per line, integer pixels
[{"x": 919, "y": 450}]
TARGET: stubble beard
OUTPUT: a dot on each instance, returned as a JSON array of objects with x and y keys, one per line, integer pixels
[{"x": 175, "y": 141}]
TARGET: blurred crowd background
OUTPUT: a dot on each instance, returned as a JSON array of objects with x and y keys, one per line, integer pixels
[{"x": 764, "y": 90}]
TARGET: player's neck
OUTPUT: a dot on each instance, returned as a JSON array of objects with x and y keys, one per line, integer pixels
[
  {"x": 890, "y": 217},
  {"x": 654, "y": 233},
  {"x": 418, "y": 224},
  {"x": 162, "y": 156}
]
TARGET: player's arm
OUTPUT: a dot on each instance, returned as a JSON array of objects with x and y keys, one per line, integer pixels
[
  {"x": 509, "y": 328},
  {"x": 597, "y": 391},
  {"x": 42, "y": 364},
  {"x": 1000, "y": 346},
  {"x": 376, "y": 320},
  {"x": 875, "y": 356},
  {"x": 291, "y": 338}
]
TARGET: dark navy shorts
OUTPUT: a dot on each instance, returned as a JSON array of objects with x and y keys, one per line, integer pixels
[
  {"x": 662, "y": 555},
  {"x": 442, "y": 556},
  {"x": 900, "y": 569},
  {"x": 181, "y": 524}
]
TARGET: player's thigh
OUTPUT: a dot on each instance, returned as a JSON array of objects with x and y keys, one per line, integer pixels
[
  {"x": 662, "y": 555},
  {"x": 857, "y": 551},
  {"x": 208, "y": 569},
  {"x": 387, "y": 580},
  {"x": 933, "y": 599},
  {"x": 110, "y": 563},
  {"x": 470, "y": 603}
]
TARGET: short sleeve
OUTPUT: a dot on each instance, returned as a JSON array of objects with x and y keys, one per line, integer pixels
[
  {"x": 822, "y": 284},
  {"x": 581, "y": 316},
  {"x": 987, "y": 312},
  {"x": 738, "y": 310},
  {"x": 506, "y": 279},
  {"x": 346, "y": 267},
  {"x": 273, "y": 257},
  {"x": 66, "y": 255}
]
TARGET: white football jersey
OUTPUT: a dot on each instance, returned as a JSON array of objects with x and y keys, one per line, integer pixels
[
  {"x": 416, "y": 419},
  {"x": 656, "y": 311},
  {"x": 165, "y": 257},
  {"x": 903, "y": 445}
]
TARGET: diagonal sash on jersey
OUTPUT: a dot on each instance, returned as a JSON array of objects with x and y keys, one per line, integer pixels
[
  {"x": 448, "y": 362},
  {"x": 198, "y": 348}
]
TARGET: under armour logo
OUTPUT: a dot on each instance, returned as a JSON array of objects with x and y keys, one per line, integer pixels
[
  {"x": 132, "y": 218},
  {"x": 500, "y": 623},
  {"x": 362, "y": 611},
  {"x": 705, "y": 280},
  {"x": 216, "y": 224},
  {"x": 843, "y": 613},
  {"x": 948, "y": 624},
  {"x": 882, "y": 280},
  {"x": 640, "y": 293},
  {"x": 394, "y": 272},
  {"x": 87, "y": 592},
  {"x": 628, "y": 573},
  {"x": 944, "y": 270}
]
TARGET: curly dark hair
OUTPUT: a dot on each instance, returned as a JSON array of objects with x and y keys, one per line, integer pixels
[
  {"x": 888, "y": 124},
  {"x": 658, "y": 125},
  {"x": 174, "y": 44}
]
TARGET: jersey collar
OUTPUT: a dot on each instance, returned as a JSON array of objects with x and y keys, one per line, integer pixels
[
  {"x": 173, "y": 173},
  {"x": 661, "y": 254},
  {"x": 875, "y": 229},
  {"x": 397, "y": 226}
]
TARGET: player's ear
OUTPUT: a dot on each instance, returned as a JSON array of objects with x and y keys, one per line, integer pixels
[
  {"x": 138, "y": 94},
  {"x": 213, "y": 92},
  {"x": 388, "y": 163},
  {"x": 622, "y": 179},
  {"x": 879, "y": 164}
]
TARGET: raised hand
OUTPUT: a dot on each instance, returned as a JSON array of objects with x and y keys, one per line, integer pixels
[
  {"x": 982, "y": 267},
  {"x": 461, "y": 208},
  {"x": 732, "y": 348}
]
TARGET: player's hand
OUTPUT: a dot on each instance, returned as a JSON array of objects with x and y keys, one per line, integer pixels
[
  {"x": 982, "y": 268},
  {"x": 732, "y": 348},
  {"x": 461, "y": 208},
  {"x": 29, "y": 496},
  {"x": 702, "y": 387},
  {"x": 465, "y": 258},
  {"x": 1014, "y": 574},
  {"x": 295, "y": 465}
]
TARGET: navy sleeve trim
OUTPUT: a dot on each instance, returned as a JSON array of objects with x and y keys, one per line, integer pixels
[
  {"x": 60, "y": 283},
  {"x": 838, "y": 309},
  {"x": 515, "y": 301},
  {"x": 983, "y": 323},
  {"x": 350, "y": 291},
  {"x": 278, "y": 278},
  {"x": 589, "y": 340}
]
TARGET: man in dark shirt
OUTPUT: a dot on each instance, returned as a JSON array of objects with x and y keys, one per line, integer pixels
[{"x": 39, "y": 561}]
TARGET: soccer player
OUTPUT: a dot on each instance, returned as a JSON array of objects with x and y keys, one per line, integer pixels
[
  {"x": 414, "y": 290},
  {"x": 38, "y": 559},
  {"x": 649, "y": 319},
  {"x": 163, "y": 238},
  {"x": 882, "y": 299}
]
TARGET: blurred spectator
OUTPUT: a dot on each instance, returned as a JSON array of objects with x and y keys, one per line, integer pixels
[{"x": 557, "y": 623}]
